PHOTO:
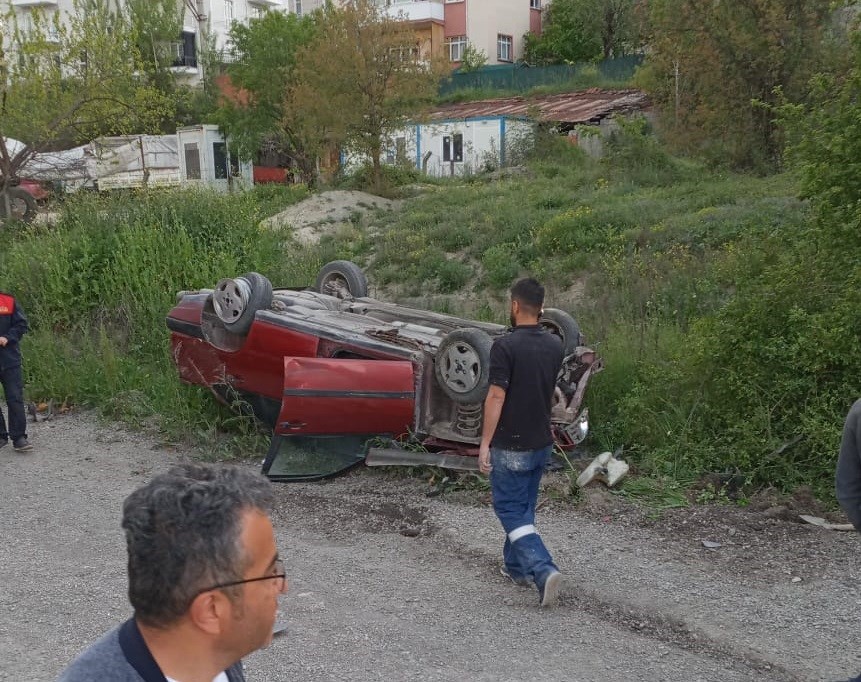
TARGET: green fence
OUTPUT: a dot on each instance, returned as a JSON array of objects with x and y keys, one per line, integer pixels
[{"x": 519, "y": 77}]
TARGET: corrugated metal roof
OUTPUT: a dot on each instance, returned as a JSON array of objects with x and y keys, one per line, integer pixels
[{"x": 570, "y": 107}]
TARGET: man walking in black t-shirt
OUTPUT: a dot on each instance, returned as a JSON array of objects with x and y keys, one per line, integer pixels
[{"x": 516, "y": 439}]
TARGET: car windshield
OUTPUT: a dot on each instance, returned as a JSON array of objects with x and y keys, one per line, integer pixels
[{"x": 309, "y": 458}]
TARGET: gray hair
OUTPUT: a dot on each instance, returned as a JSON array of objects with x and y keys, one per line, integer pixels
[{"x": 182, "y": 534}]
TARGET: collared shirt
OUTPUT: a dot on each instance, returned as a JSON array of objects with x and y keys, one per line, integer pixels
[{"x": 123, "y": 656}]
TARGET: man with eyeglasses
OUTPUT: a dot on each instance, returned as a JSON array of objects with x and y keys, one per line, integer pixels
[{"x": 204, "y": 580}]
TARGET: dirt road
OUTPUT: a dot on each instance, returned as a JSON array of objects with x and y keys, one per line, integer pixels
[{"x": 387, "y": 583}]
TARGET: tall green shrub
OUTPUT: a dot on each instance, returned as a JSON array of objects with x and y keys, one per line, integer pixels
[{"x": 98, "y": 284}]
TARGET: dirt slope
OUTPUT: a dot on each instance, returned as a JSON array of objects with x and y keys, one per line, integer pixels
[{"x": 326, "y": 212}]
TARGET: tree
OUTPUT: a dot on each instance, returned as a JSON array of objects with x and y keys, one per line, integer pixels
[
  {"x": 362, "y": 78},
  {"x": 157, "y": 26},
  {"x": 472, "y": 59},
  {"x": 585, "y": 30},
  {"x": 261, "y": 75},
  {"x": 712, "y": 65},
  {"x": 67, "y": 83}
]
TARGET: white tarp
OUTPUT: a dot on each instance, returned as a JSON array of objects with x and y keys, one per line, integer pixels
[
  {"x": 70, "y": 164},
  {"x": 108, "y": 162},
  {"x": 132, "y": 153}
]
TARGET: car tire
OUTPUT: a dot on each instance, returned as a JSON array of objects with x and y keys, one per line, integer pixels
[
  {"x": 236, "y": 301},
  {"x": 23, "y": 205},
  {"x": 564, "y": 326},
  {"x": 340, "y": 275},
  {"x": 462, "y": 365}
]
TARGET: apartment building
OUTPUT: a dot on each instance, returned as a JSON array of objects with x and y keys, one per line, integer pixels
[
  {"x": 212, "y": 17},
  {"x": 301, "y": 7},
  {"x": 494, "y": 27}
]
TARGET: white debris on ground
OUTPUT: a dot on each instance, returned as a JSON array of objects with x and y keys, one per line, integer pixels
[
  {"x": 325, "y": 212},
  {"x": 605, "y": 467}
]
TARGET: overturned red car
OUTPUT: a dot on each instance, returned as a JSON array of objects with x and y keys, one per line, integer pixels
[{"x": 333, "y": 372}]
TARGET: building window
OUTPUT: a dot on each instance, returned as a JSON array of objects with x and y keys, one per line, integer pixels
[
  {"x": 228, "y": 10},
  {"x": 535, "y": 4},
  {"x": 452, "y": 148},
  {"x": 219, "y": 160},
  {"x": 504, "y": 48},
  {"x": 256, "y": 11},
  {"x": 185, "y": 51},
  {"x": 404, "y": 53},
  {"x": 297, "y": 7},
  {"x": 456, "y": 45},
  {"x": 25, "y": 22},
  {"x": 398, "y": 153},
  {"x": 192, "y": 161}
]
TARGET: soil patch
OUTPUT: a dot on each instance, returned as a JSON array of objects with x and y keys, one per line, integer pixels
[{"x": 325, "y": 212}]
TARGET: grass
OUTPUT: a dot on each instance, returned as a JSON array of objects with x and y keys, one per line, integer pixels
[
  {"x": 97, "y": 285},
  {"x": 656, "y": 493}
]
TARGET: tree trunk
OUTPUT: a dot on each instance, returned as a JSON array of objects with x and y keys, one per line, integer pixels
[{"x": 377, "y": 173}]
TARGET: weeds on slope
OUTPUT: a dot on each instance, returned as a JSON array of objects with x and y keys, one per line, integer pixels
[
  {"x": 97, "y": 286},
  {"x": 650, "y": 253}
]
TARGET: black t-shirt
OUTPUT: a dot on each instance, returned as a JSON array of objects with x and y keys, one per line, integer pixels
[{"x": 525, "y": 363}]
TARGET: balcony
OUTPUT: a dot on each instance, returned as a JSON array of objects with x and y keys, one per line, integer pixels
[
  {"x": 184, "y": 52},
  {"x": 417, "y": 10}
]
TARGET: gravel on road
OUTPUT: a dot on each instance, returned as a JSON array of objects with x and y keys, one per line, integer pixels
[{"x": 389, "y": 583}]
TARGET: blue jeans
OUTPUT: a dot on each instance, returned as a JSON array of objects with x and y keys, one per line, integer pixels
[
  {"x": 12, "y": 381},
  {"x": 514, "y": 481}
]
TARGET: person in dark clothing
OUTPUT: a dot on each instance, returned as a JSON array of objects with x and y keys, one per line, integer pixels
[
  {"x": 13, "y": 325},
  {"x": 516, "y": 439},
  {"x": 848, "y": 478},
  {"x": 204, "y": 580}
]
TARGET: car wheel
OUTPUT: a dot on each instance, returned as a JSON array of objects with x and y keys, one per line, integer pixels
[
  {"x": 22, "y": 206},
  {"x": 237, "y": 300},
  {"x": 342, "y": 279},
  {"x": 564, "y": 326},
  {"x": 462, "y": 365}
]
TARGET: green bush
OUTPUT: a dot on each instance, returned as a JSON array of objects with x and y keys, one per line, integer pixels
[
  {"x": 393, "y": 177},
  {"x": 97, "y": 286},
  {"x": 500, "y": 265}
]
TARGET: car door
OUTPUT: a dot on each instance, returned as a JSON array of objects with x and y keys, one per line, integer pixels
[{"x": 347, "y": 396}]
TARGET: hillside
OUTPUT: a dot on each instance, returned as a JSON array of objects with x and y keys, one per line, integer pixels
[{"x": 648, "y": 252}]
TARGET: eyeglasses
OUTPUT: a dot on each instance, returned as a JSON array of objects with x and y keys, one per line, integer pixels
[{"x": 279, "y": 575}]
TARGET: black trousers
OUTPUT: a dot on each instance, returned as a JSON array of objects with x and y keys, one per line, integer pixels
[{"x": 12, "y": 380}]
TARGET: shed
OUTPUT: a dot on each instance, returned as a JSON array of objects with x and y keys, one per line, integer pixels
[
  {"x": 205, "y": 158},
  {"x": 457, "y": 139}
]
